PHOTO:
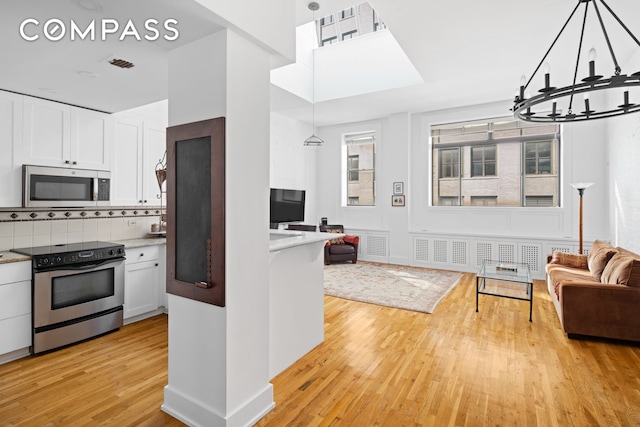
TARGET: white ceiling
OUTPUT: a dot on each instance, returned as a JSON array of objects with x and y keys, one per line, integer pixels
[{"x": 466, "y": 51}]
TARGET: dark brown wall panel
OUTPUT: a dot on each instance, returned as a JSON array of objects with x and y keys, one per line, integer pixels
[{"x": 195, "y": 211}]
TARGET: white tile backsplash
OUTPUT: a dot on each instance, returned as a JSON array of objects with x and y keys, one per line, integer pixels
[
  {"x": 6, "y": 229},
  {"x": 74, "y": 225},
  {"x": 75, "y": 237},
  {"x": 22, "y": 241},
  {"x": 90, "y": 226},
  {"x": 59, "y": 227},
  {"x": 20, "y": 234},
  {"x": 58, "y": 238},
  {"x": 42, "y": 227},
  {"x": 41, "y": 239},
  {"x": 23, "y": 228},
  {"x": 6, "y": 243}
]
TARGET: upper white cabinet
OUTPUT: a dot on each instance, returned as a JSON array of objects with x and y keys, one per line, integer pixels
[
  {"x": 126, "y": 176},
  {"x": 91, "y": 139},
  {"x": 11, "y": 149},
  {"x": 138, "y": 148},
  {"x": 56, "y": 134}
]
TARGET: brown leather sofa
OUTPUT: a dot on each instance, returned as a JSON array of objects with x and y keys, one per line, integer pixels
[
  {"x": 597, "y": 295},
  {"x": 341, "y": 249}
]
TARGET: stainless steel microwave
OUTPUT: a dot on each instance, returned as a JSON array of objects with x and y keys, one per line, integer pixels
[{"x": 52, "y": 187}]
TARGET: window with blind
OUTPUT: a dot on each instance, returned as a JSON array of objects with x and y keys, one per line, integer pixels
[
  {"x": 498, "y": 162},
  {"x": 359, "y": 177}
]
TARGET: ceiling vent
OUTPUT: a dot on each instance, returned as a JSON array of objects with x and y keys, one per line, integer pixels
[{"x": 121, "y": 63}]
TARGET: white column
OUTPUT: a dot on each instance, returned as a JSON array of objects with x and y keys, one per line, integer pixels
[{"x": 219, "y": 356}]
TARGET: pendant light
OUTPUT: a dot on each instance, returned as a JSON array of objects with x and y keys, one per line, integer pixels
[
  {"x": 550, "y": 97},
  {"x": 313, "y": 140}
]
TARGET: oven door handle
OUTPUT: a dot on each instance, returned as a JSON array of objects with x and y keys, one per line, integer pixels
[{"x": 83, "y": 267}]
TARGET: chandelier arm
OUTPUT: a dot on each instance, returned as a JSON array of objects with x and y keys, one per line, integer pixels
[
  {"x": 552, "y": 44},
  {"x": 620, "y": 22},
  {"x": 606, "y": 37},
  {"x": 575, "y": 73}
]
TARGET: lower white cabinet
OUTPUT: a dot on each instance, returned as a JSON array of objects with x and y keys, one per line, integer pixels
[
  {"x": 142, "y": 281},
  {"x": 15, "y": 306}
]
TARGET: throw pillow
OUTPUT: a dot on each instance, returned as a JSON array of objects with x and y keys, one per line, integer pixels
[
  {"x": 599, "y": 255},
  {"x": 339, "y": 240},
  {"x": 622, "y": 270},
  {"x": 569, "y": 260}
]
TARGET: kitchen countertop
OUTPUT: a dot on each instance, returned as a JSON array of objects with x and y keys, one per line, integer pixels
[
  {"x": 144, "y": 241},
  {"x": 284, "y": 239},
  {"x": 8, "y": 256}
]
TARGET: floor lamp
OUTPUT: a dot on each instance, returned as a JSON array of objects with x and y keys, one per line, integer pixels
[{"x": 581, "y": 186}]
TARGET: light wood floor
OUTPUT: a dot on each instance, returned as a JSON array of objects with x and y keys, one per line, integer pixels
[{"x": 377, "y": 367}]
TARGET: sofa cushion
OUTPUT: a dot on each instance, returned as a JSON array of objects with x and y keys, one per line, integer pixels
[
  {"x": 561, "y": 274},
  {"x": 599, "y": 255},
  {"x": 341, "y": 249},
  {"x": 569, "y": 260},
  {"x": 339, "y": 240},
  {"x": 622, "y": 270}
]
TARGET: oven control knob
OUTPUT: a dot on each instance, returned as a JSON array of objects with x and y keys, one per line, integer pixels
[
  {"x": 112, "y": 252},
  {"x": 120, "y": 251},
  {"x": 44, "y": 260},
  {"x": 58, "y": 259}
]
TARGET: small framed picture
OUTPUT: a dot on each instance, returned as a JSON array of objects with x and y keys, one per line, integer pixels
[
  {"x": 397, "y": 200},
  {"x": 398, "y": 188}
]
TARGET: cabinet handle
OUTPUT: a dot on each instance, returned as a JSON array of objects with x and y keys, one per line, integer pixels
[
  {"x": 139, "y": 201},
  {"x": 74, "y": 163},
  {"x": 141, "y": 254},
  {"x": 145, "y": 201},
  {"x": 66, "y": 162},
  {"x": 156, "y": 265}
]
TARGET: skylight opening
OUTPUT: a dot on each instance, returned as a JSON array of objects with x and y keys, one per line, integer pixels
[{"x": 348, "y": 23}]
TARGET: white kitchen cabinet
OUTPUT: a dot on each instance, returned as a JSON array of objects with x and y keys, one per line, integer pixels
[
  {"x": 56, "y": 134},
  {"x": 162, "y": 277},
  {"x": 11, "y": 149},
  {"x": 15, "y": 308},
  {"x": 137, "y": 150},
  {"x": 141, "y": 282},
  {"x": 91, "y": 139},
  {"x": 126, "y": 176}
]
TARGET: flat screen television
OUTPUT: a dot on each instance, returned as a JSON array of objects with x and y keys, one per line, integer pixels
[{"x": 286, "y": 205}]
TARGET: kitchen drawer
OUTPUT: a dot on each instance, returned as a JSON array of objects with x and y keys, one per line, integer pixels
[
  {"x": 146, "y": 253},
  {"x": 11, "y": 272},
  {"x": 15, "y": 299},
  {"x": 15, "y": 333}
]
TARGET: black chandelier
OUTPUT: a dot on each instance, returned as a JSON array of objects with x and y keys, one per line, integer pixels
[{"x": 549, "y": 98}]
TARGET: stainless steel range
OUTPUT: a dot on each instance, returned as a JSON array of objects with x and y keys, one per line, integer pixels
[{"x": 77, "y": 292}]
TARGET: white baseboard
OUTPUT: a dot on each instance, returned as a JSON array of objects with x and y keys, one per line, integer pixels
[
  {"x": 198, "y": 414},
  {"x": 14, "y": 355}
]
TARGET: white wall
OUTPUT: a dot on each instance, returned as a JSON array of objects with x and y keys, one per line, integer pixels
[
  {"x": 403, "y": 154},
  {"x": 623, "y": 144},
  {"x": 294, "y": 165}
]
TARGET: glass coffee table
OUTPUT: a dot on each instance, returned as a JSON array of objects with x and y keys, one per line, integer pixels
[{"x": 505, "y": 280}]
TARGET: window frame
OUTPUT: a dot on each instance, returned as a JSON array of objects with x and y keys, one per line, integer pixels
[
  {"x": 348, "y": 186},
  {"x": 469, "y": 135}
]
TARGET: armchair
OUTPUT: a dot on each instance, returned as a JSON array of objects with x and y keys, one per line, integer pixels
[{"x": 341, "y": 249}]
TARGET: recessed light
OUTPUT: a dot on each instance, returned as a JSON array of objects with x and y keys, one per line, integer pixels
[
  {"x": 88, "y": 74},
  {"x": 90, "y": 5}
]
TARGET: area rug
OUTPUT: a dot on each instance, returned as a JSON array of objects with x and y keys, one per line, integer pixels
[{"x": 409, "y": 288}]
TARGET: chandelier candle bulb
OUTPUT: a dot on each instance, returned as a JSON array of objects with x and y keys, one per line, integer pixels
[
  {"x": 523, "y": 82},
  {"x": 592, "y": 62}
]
